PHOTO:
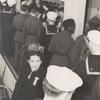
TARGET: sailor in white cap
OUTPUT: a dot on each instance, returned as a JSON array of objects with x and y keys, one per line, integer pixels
[
  {"x": 51, "y": 17},
  {"x": 51, "y": 30},
  {"x": 27, "y": 3},
  {"x": 2, "y": 2},
  {"x": 11, "y": 3},
  {"x": 94, "y": 41},
  {"x": 50, "y": 26},
  {"x": 60, "y": 83},
  {"x": 89, "y": 69}
]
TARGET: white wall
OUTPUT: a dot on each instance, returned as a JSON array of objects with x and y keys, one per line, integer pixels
[
  {"x": 2, "y": 65},
  {"x": 8, "y": 78},
  {"x": 75, "y": 9},
  {"x": 95, "y": 8}
]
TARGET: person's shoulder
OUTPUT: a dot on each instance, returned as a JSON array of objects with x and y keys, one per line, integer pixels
[
  {"x": 56, "y": 36},
  {"x": 17, "y": 15},
  {"x": 42, "y": 72},
  {"x": 65, "y": 32},
  {"x": 80, "y": 38},
  {"x": 58, "y": 33}
]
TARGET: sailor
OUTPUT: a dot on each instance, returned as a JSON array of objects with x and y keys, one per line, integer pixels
[
  {"x": 60, "y": 83},
  {"x": 89, "y": 69},
  {"x": 51, "y": 29}
]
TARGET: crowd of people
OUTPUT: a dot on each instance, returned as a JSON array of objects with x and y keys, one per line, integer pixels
[{"x": 49, "y": 62}]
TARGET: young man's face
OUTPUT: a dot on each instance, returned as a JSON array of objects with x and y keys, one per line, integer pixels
[
  {"x": 34, "y": 62},
  {"x": 52, "y": 93}
]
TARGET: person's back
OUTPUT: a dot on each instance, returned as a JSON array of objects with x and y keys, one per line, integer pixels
[
  {"x": 62, "y": 44},
  {"x": 18, "y": 26},
  {"x": 33, "y": 28},
  {"x": 80, "y": 50},
  {"x": 89, "y": 69}
]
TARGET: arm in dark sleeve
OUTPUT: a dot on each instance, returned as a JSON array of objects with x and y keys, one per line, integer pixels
[
  {"x": 13, "y": 26},
  {"x": 75, "y": 53},
  {"x": 24, "y": 30},
  {"x": 42, "y": 36},
  {"x": 51, "y": 46},
  {"x": 17, "y": 90}
]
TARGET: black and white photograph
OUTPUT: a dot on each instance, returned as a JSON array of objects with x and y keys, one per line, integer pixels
[{"x": 49, "y": 49}]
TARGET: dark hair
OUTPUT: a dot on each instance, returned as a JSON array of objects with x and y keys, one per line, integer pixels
[
  {"x": 94, "y": 22},
  {"x": 33, "y": 8},
  {"x": 30, "y": 53},
  {"x": 68, "y": 23}
]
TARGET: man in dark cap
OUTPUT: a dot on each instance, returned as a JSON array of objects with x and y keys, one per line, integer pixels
[{"x": 62, "y": 44}]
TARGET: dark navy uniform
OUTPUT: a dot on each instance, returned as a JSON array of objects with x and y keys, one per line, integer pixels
[
  {"x": 51, "y": 30},
  {"x": 89, "y": 90},
  {"x": 80, "y": 50}
]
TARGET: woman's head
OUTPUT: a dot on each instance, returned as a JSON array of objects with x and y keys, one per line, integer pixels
[
  {"x": 34, "y": 59},
  {"x": 34, "y": 56}
]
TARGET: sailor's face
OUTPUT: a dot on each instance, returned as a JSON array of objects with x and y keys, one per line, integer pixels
[{"x": 51, "y": 93}]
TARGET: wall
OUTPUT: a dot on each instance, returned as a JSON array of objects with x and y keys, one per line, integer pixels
[
  {"x": 95, "y": 8},
  {"x": 7, "y": 76},
  {"x": 75, "y": 9}
]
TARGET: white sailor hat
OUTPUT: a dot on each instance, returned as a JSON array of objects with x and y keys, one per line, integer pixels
[
  {"x": 94, "y": 36},
  {"x": 2, "y": 1},
  {"x": 63, "y": 78},
  {"x": 11, "y": 2},
  {"x": 51, "y": 15},
  {"x": 26, "y": 3}
]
